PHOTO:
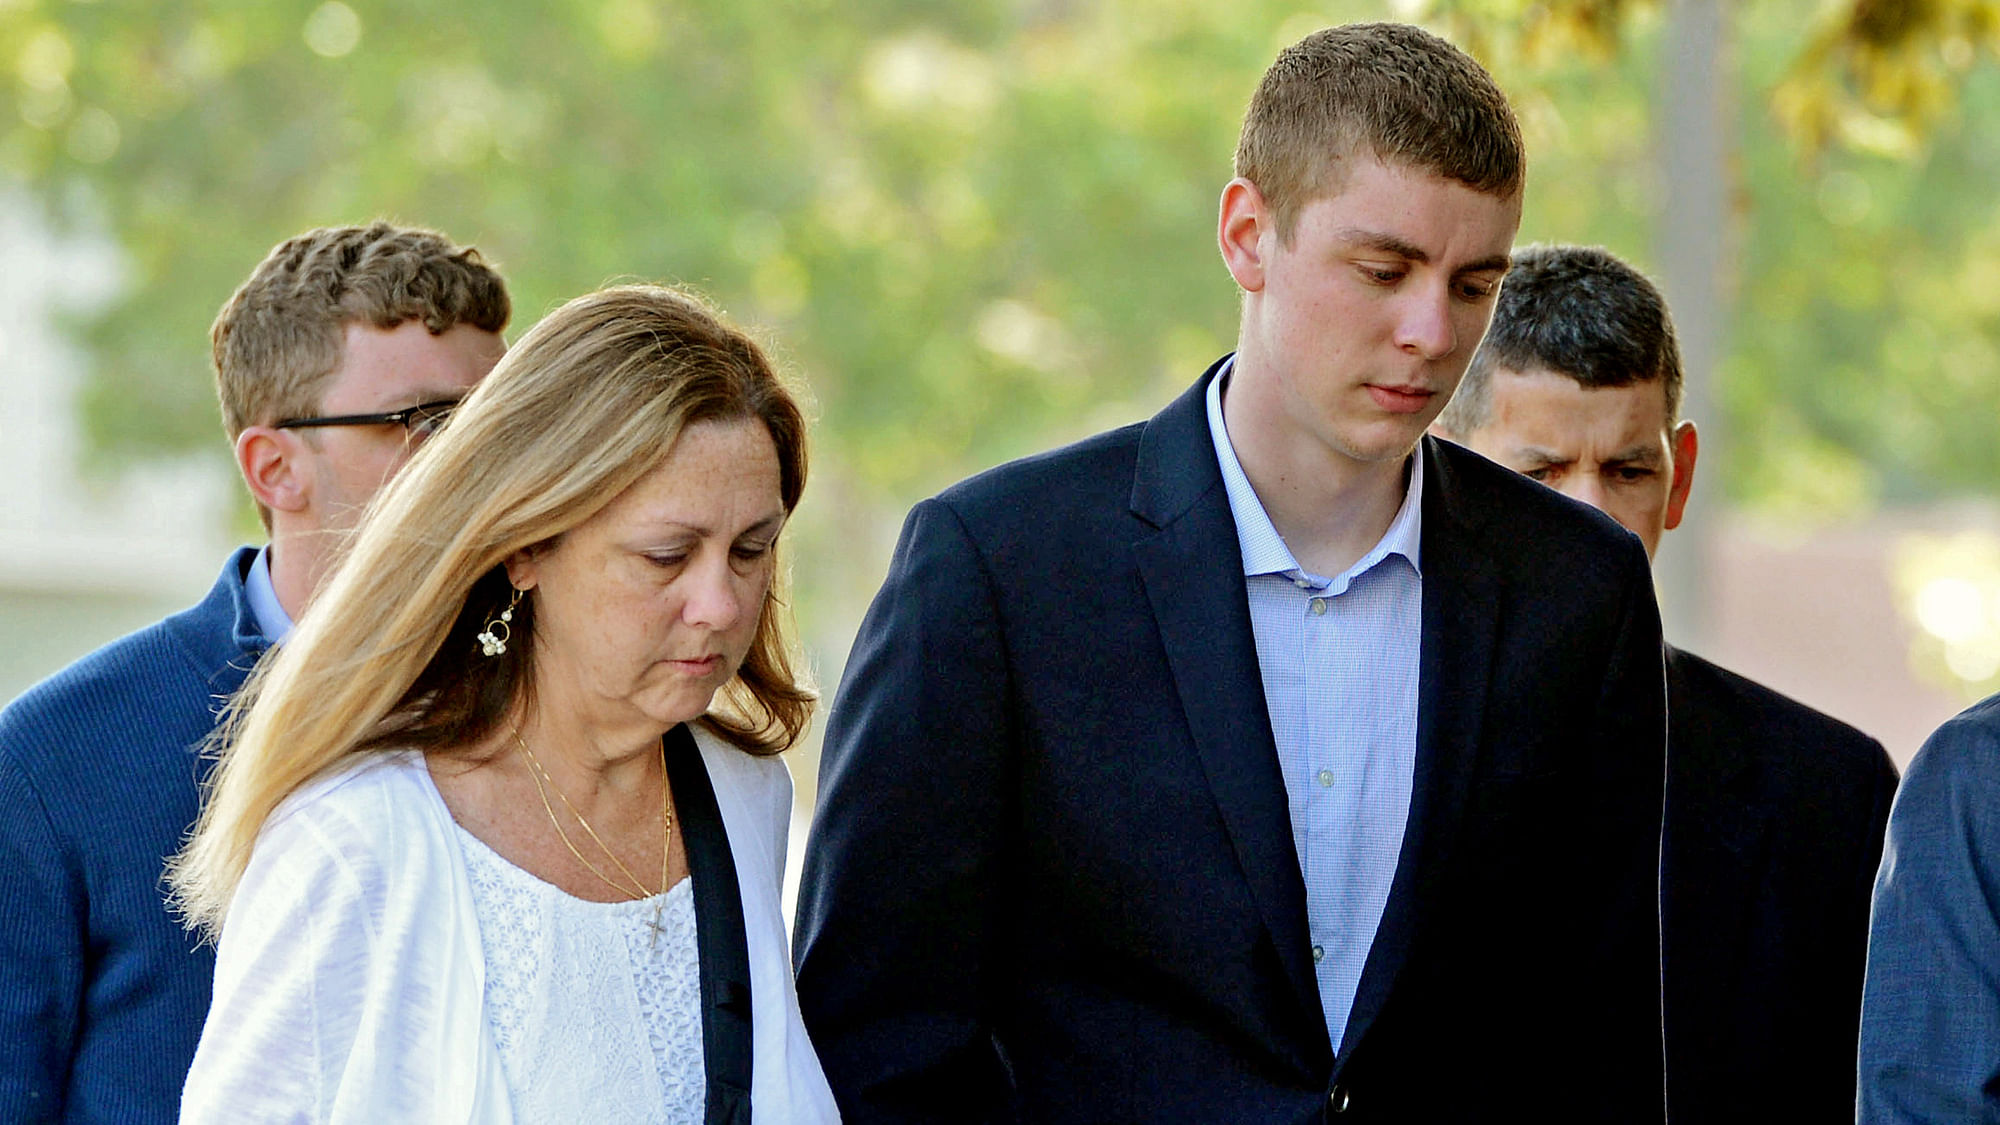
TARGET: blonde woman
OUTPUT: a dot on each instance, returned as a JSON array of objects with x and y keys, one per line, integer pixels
[{"x": 498, "y": 834}]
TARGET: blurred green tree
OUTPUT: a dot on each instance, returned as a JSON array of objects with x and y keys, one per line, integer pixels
[
  {"x": 1858, "y": 359},
  {"x": 981, "y": 228},
  {"x": 968, "y": 227}
]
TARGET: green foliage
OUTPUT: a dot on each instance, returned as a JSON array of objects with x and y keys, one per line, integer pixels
[
  {"x": 971, "y": 227},
  {"x": 1863, "y": 359},
  {"x": 1878, "y": 73},
  {"x": 978, "y": 229},
  {"x": 1872, "y": 75},
  {"x": 1862, "y": 355}
]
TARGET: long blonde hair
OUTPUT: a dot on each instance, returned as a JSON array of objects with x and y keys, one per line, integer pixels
[{"x": 589, "y": 401}]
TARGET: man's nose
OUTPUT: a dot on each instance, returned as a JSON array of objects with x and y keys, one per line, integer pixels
[
  {"x": 1426, "y": 329},
  {"x": 1587, "y": 487}
]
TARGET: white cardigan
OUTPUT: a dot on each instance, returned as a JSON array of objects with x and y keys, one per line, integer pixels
[{"x": 349, "y": 981}]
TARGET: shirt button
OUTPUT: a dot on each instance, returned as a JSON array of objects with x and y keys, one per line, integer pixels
[
  {"x": 1318, "y": 607},
  {"x": 1326, "y": 779},
  {"x": 1319, "y": 954}
]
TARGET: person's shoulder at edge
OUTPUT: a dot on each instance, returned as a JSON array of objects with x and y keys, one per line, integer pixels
[
  {"x": 98, "y": 693},
  {"x": 105, "y": 674},
  {"x": 1962, "y": 754},
  {"x": 1038, "y": 499},
  {"x": 1085, "y": 469},
  {"x": 1838, "y": 746},
  {"x": 1929, "y": 1019},
  {"x": 374, "y": 804}
]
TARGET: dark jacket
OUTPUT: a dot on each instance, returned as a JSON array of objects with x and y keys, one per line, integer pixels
[
  {"x": 1052, "y": 876},
  {"x": 1775, "y": 815}
]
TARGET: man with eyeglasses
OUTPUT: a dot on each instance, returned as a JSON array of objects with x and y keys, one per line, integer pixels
[{"x": 345, "y": 348}]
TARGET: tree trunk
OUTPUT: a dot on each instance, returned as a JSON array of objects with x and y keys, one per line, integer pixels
[{"x": 1692, "y": 146}]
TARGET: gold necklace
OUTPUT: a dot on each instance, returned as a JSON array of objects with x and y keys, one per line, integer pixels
[{"x": 543, "y": 783}]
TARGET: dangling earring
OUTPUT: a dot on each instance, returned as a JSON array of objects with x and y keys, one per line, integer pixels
[{"x": 493, "y": 642}]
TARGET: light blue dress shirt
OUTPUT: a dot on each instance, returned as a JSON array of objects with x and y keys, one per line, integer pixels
[
  {"x": 272, "y": 620},
  {"x": 1339, "y": 659}
]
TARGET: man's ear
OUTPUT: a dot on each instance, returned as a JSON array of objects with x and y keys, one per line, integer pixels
[
  {"x": 1685, "y": 446},
  {"x": 271, "y": 461},
  {"x": 1246, "y": 233}
]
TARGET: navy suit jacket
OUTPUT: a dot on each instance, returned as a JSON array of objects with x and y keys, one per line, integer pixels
[
  {"x": 1052, "y": 879},
  {"x": 102, "y": 991},
  {"x": 1775, "y": 815}
]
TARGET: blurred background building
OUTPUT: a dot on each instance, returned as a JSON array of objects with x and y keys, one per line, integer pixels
[{"x": 87, "y": 552}]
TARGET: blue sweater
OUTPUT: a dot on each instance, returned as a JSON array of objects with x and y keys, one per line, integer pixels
[{"x": 102, "y": 992}]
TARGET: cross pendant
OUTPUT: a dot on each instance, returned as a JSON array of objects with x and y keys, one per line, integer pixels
[{"x": 654, "y": 925}]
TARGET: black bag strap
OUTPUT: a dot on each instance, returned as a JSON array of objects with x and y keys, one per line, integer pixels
[{"x": 719, "y": 933}]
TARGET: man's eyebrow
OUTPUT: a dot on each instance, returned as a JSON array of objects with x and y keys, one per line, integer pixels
[
  {"x": 1647, "y": 454},
  {"x": 1387, "y": 243},
  {"x": 1540, "y": 456},
  {"x": 1403, "y": 248}
]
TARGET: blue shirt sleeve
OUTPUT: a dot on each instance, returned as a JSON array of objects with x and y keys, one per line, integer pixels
[
  {"x": 41, "y": 956},
  {"x": 1930, "y": 1009}
]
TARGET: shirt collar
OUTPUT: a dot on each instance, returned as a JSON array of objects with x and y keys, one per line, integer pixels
[
  {"x": 272, "y": 620},
  {"x": 1264, "y": 550}
]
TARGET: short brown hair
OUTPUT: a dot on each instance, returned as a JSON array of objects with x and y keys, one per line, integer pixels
[
  {"x": 1578, "y": 311},
  {"x": 279, "y": 336},
  {"x": 1388, "y": 90}
]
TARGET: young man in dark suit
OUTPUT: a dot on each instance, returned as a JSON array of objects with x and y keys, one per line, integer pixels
[
  {"x": 344, "y": 348},
  {"x": 1775, "y": 812},
  {"x": 1247, "y": 764}
]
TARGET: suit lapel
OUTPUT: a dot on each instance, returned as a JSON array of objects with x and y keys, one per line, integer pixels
[
  {"x": 1193, "y": 574},
  {"x": 1461, "y": 607}
]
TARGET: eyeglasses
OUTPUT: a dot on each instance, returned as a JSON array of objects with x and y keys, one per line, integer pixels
[{"x": 421, "y": 420}]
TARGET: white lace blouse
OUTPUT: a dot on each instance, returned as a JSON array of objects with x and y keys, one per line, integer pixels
[
  {"x": 352, "y": 975},
  {"x": 588, "y": 1005}
]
